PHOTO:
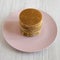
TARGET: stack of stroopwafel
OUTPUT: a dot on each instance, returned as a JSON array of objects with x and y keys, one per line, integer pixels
[{"x": 30, "y": 21}]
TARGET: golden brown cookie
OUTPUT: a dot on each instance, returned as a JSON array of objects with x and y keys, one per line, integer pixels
[{"x": 30, "y": 21}]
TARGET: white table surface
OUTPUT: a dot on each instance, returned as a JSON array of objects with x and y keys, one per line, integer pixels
[{"x": 52, "y": 7}]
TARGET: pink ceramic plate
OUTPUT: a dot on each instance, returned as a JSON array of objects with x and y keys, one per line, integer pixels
[{"x": 14, "y": 38}]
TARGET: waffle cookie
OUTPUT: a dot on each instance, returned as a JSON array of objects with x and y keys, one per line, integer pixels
[{"x": 30, "y": 21}]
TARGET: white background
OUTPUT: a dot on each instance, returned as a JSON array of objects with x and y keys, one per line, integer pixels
[{"x": 52, "y": 7}]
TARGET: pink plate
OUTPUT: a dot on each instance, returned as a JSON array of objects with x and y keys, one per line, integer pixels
[{"x": 13, "y": 37}]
